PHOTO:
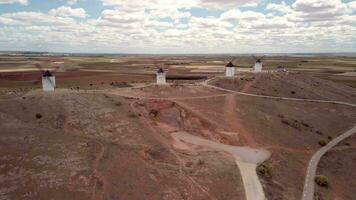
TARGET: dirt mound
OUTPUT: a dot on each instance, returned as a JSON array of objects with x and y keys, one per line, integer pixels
[
  {"x": 72, "y": 145},
  {"x": 173, "y": 116},
  {"x": 296, "y": 85}
]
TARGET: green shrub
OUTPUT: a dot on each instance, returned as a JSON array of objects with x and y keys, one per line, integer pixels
[
  {"x": 322, "y": 181},
  {"x": 264, "y": 170},
  {"x": 38, "y": 115},
  {"x": 322, "y": 143}
]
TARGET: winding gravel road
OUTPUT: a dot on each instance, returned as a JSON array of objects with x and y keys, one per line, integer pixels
[{"x": 308, "y": 191}]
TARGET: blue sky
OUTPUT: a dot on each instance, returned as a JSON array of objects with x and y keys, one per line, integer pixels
[{"x": 185, "y": 26}]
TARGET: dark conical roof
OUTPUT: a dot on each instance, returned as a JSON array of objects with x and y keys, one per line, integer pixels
[
  {"x": 160, "y": 70},
  {"x": 230, "y": 65},
  {"x": 47, "y": 74}
]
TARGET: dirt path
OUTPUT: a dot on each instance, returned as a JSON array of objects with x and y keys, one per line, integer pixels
[
  {"x": 206, "y": 83},
  {"x": 246, "y": 159},
  {"x": 234, "y": 120},
  {"x": 248, "y": 85},
  {"x": 96, "y": 175}
]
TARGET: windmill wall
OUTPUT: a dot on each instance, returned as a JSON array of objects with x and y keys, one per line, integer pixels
[
  {"x": 161, "y": 78},
  {"x": 258, "y": 67},
  {"x": 48, "y": 83},
  {"x": 230, "y": 71}
]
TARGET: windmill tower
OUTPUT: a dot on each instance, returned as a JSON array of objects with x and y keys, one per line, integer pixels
[
  {"x": 161, "y": 76},
  {"x": 230, "y": 69},
  {"x": 48, "y": 80},
  {"x": 258, "y": 64}
]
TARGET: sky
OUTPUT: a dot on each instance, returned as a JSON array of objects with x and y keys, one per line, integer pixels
[{"x": 178, "y": 26}]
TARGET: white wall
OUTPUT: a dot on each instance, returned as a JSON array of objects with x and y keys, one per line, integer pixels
[
  {"x": 48, "y": 83},
  {"x": 161, "y": 78},
  {"x": 258, "y": 67},
  {"x": 230, "y": 71}
]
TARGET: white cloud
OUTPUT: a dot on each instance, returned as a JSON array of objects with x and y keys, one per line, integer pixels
[
  {"x": 172, "y": 13},
  {"x": 319, "y": 10},
  {"x": 226, "y": 4},
  {"x": 33, "y": 18},
  {"x": 209, "y": 4},
  {"x": 23, "y": 2},
  {"x": 235, "y": 14},
  {"x": 65, "y": 11},
  {"x": 169, "y": 26},
  {"x": 72, "y": 2},
  {"x": 282, "y": 8},
  {"x": 352, "y": 5}
]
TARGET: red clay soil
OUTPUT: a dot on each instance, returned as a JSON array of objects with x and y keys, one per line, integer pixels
[
  {"x": 235, "y": 122},
  {"x": 177, "y": 116}
]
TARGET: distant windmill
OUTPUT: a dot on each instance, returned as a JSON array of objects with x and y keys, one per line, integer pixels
[
  {"x": 258, "y": 64},
  {"x": 160, "y": 75},
  {"x": 230, "y": 69},
  {"x": 48, "y": 80}
]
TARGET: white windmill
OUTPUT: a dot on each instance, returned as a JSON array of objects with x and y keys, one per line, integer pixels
[
  {"x": 258, "y": 64},
  {"x": 230, "y": 69},
  {"x": 48, "y": 80},
  {"x": 161, "y": 76}
]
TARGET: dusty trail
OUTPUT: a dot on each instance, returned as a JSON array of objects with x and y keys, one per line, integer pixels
[
  {"x": 246, "y": 159},
  {"x": 235, "y": 122},
  {"x": 96, "y": 175},
  {"x": 247, "y": 86},
  {"x": 206, "y": 83}
]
